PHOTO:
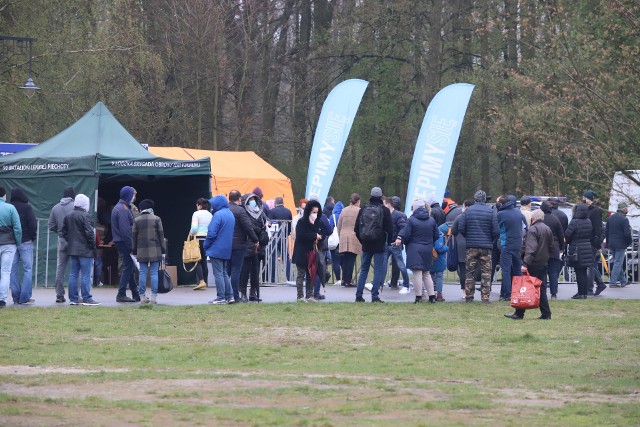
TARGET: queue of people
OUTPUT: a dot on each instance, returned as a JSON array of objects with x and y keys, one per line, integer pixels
[{"x": 233, "y": 235}]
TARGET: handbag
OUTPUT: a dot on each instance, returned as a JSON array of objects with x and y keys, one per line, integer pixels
[
  {"x": 525, "y": 292},
  {"x": 191, "y": 252},
  {"x": 334, "y": 239},
  {"x": 571, "y": 257},
  {"x": 165, "y": 284}
]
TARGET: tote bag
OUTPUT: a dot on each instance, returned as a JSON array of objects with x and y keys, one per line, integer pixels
[
  {"x": 334, "y": 239},
  {"x": 191, "y": 252},
  {"x": 165, "y": 284},
  {"x": 525, "y": 292}
]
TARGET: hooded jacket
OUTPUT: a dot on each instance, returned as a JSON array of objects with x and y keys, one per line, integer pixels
[
  {"x": 440, "y": 262},
  {"x": 219, "y": 241},
  {"x": 306, "y": 234},
  {"x": 258, "y": 219},
  {"x": 479, "y": 225},
  {"x": 122, "y": 218},
  {"x": 418, "y": 236},
  {"x": 398, "y": 221},
  {"x": 59, "y": 211},
  {"x": 579, "y": 234},
  {"x": 335, "y": 216},
  {"x": 25, "y": 212},
  {"x": 511, "y": 224},
  {"x": 438, "y": 214},
  {"x": 77, "y": 230}
]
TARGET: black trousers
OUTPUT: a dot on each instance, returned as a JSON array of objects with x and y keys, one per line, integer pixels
[
  {"x": 540, "y": 273},
  {"x": 250, "y": 270},
  {"x": 347, "y": 262},
  {"x": 583, "y": 280}
]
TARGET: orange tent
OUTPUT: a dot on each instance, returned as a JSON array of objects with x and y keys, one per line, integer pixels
[{"x": 237, "y": 170}]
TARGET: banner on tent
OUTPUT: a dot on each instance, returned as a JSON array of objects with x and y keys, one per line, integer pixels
[
  {"x": 333, "y": 128},
  {"x": 436, "y": 143}
]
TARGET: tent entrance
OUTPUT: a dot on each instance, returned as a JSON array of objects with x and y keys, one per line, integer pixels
[{"x": 175, "y": 200}]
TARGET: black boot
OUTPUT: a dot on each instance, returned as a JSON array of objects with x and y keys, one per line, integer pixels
[
  {"x": 432, "y": 299},
  {"x": 418, "y": 299}
]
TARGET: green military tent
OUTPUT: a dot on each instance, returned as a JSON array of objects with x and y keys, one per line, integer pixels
[{"x": 98, "y": 156}]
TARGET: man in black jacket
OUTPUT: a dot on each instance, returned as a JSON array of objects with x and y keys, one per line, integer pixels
[
  {"x": 373, "y": 247},
  {"x": 618, "y": 234},
  {"x": 538, "y": 245},
  {"x": 242, "y": 233},
  {"x": 555, "y": 260},
  {"x": 595, "y": 216},
  {"x": 562, "y": 217},
  {"x": 21, "y": 292}
]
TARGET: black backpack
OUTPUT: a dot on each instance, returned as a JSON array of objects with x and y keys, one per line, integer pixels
[{"x": 371, "y": 221}]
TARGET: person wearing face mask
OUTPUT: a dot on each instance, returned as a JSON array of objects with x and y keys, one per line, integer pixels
[
  {"x": 253, "y": 255},
  {"x": 121, "y": 228},
  {"x": 307, "y": 233}
]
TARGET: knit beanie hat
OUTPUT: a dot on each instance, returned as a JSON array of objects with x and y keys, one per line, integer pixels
[
  {"x": 418, "y": 203},
  {"x": 69, "y": 192},
  {"x": 126, "y": 193},
  {"x": 590, "y": 194},
  {"x": 81, "y": 201}
]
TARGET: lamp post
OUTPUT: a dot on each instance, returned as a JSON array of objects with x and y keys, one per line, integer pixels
[{"x": 17, "y": 45}]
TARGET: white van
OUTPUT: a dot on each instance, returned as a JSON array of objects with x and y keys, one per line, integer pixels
[{"x": 625, "y": 190}]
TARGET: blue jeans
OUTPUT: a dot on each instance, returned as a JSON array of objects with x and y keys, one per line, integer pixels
[
  {"x": 7, "y": 253},
  {"x": 510, "y": 264},
  {"x": 438, "y": 281},
  {"x": 379, "y": 271},
  {"x": 617, "y": 275},
  {"x": 84, "y": 266},
  {"x": 223, "y": 282},
  {"x": 150, "y": 268},
  {"x": 553, "y": 271},
  {"x": 21, "y": 292},
  {"x": 127, "y": 272},
  {"x": 396, "y": 252},
  {"x": 234, "y": 267}
]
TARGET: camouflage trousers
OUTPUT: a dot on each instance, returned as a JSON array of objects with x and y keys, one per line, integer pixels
[{"x": 477, "y": 256}]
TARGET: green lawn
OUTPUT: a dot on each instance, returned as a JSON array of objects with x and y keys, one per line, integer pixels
[{"x": 321, "y": 365}]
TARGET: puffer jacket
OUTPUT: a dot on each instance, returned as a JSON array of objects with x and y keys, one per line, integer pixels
[
  {"x": 418, "y": 236},
  {"x": 243, "y": 230},
  {"x": 479, "y": 225},
  {"x": 440, "y": 262},
  {"x": 438, "y": 214},
  {"x": 306, "y": 235},
  {"x": 538, "y": 245},
  {"x": 511, "y": 225},
  {"x": 219, "y": 239},
  {"x": 259, "y": 226},
  {"x": 77, "y": 230},
  {"x": 578, "y": 236}
]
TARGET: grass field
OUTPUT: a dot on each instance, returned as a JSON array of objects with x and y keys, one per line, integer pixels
[{"x": 321, "y": 365}]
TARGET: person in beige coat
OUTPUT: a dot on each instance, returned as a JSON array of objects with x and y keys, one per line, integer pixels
[{"x": 350, "y": 246}]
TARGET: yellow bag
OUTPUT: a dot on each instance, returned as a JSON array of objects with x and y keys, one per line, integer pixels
[{"x": 191, "y": 252}]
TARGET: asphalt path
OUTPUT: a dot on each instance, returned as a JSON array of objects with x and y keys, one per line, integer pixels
[{"x": 185, "y": 295}]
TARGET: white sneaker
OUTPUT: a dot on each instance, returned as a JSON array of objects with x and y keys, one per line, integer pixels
[
  {"x": 368, "y": 286},
  {"x": 404, "y": 291},
  {"x": 144, "y": 299},
  {"x": 338, "y": 283},
  {"x": 153, "y": 300},
  {"x": 302, "y": 300},
  {"x": 218, "y": 301}
]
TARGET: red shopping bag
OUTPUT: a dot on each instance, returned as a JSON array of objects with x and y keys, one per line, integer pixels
[{"x": 525, "y": 292}]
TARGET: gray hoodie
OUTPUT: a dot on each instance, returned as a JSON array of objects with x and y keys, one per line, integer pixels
[{"x": 59, "y": 211}]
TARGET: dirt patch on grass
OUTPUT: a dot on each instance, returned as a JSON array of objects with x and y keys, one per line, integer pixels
[{"x": 40, "y": 370}]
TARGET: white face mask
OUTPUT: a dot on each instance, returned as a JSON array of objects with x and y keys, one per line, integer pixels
[{"x": 313, "y": 216}]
